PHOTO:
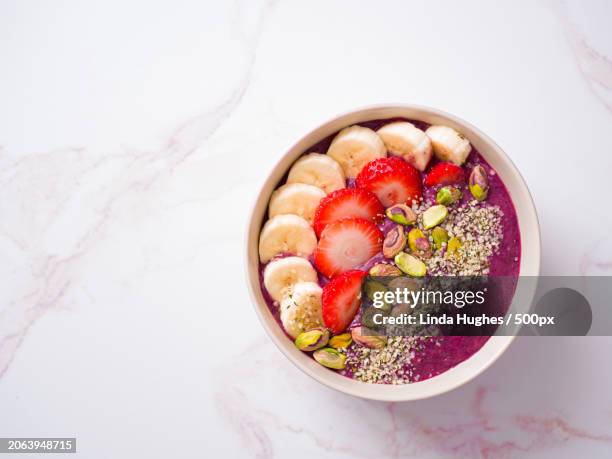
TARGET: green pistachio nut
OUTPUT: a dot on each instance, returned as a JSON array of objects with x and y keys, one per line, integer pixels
[
  {"x": 448, "y": 195},
  {"x": 312, "y": 340},
  {"x": 330, "y": 358},
  {"x": 410, "y": 265},
  {"x": 368, "y": 316},
  {"x": 479, "y": 183},
  {"x": 440, "y": 236},
  {"x": 384, "y": 270},
  {"x": 434, "y": 216},
  {"x": 453, "y": 246},
  {"x": 413, "y": 235},
  {"x": 423, "y": 247},
  {"x": 371, "y": 287},
  {"x": 478, "y": 193},
  {"x": 402, "y": 214},
  {"x": 341, "y": 341},
  {"x": 400, "y": 309},
  {"x": 394, "y": 242},
  {"x": 404, "y": 282},
  {"x": 364, "y": 337}
]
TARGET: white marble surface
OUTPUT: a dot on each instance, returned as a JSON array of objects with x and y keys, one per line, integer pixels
[{"x": 134, "y": 136}]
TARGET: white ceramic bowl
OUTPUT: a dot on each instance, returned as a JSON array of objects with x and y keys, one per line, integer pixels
[{"x": 530, "y": 256}]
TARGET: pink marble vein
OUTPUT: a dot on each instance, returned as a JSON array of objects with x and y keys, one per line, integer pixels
[
  {"x": 469, "y": 422},
  {"x": 595, "y": 68},
  {"x": 39, "y": 190}
]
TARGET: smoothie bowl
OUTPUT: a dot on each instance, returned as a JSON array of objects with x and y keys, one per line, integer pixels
[{"x": 404, "y": 191}]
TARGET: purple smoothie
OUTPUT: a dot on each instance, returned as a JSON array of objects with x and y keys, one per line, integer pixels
[{"x": 435, "y": 355}]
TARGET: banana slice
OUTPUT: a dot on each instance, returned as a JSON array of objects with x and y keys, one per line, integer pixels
[
  {"x": 286, "y": 233},
  {"x": 406, "y": 140},
  {"x": 281, "y": 275},
  {"x": 301, "y": 311},
  {"x": 297, "y": 199},
  {"x": 448, "y": 144},
  {"x": 318, "y": 170},
  {"x": 354, "y": 147}
]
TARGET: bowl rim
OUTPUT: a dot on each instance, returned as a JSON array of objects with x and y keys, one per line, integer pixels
[{"x": 496, "y": 345}]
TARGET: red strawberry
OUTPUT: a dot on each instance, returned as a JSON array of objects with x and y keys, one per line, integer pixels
[
  {"x": 393, "y": 180},
  {"x": 341, "y": 299},
  {"x": 346, "y": 244},
  {"x": 444, "y": 174},
  {"x": 345, "y": 203}
]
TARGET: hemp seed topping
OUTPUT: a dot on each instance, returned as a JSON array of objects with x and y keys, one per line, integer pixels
[
  {"x": 479, "y": 229},
  {"x": 388, "y": 365}
]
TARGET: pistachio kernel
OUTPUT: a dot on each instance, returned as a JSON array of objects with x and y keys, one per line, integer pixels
[
  {"x": 330, "y": 358},
  {"x": 369, "y": 339},
  {"x": 419, "y": 243},
  {"x": 413, "y": 235},
  {"x": 402, "y": 214},
  {"x": 479, "y": 183},
  {"x": 404, "y": 283},
  {"x": 448, "y": 195},
  {"x": 440, "y": 236},
  {"x": 371, "y": 287},
  {"x": 368, "y": 316},
  {"x": 384, "y": 270},
  {"x": 400, "y": 309},
  {"x": 394, "y": 242},
  {"x": 423, "y": 247},
  {"x": 453, "y": 246},
  {"x": 434, "y": 216},
  {"x": 341, "y": 341},
  {"x": 410, "y": 265},
  {"x": 312, "y": 340}
]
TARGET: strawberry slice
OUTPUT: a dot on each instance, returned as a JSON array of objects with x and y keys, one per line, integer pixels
[
  {"x": 444, "y": 174},
  {"x": 341, "y": 299},
  {"x": 346, "y": 244},
  {"x": 345, "y": 203},
  {"x": 392, "y": 180}
]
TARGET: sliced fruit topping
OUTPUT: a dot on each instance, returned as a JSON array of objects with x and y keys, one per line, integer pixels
[
  {"x": 444, "y": 174},
  {"x": 301, "y": 311},
  {"x": 282, "y": 274},
  {"x": 410, "y": 265},
  {"x": 479, "y": 183},
  {"x": 448, "y": 144},
  {"x": 346, "y": 203},
  {"x": 448, "y": 195},
  {"x": 392, "y": 180},
  {"x": 394, "y": 242},
  {"x": 341, "y": 299},
  {"x": 434, "y": 216},
  {"x": 297, "y": 199},
  {"x": 406, "y": 140},
  {"x": 354, "y": 147},
  {"x": 318, "y": 170},
  {"x": 402, "y": 214},
  {"x": 346, "y": 244},
  {"x": 286, "y": 234}
]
